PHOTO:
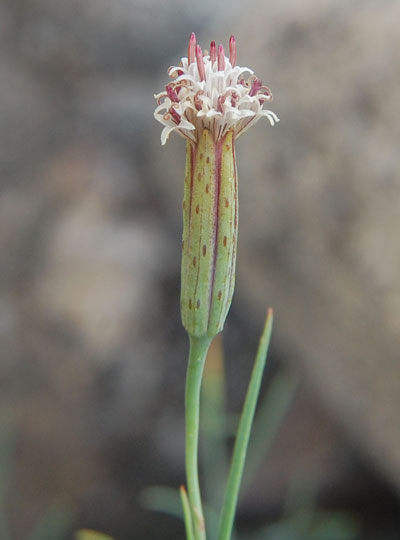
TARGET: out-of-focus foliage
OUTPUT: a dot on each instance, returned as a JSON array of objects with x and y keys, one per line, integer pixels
[
  {"x": 301, "y": 520},
  {"x": 85, "y": 534},
  {"x": 335, "y": 526}
]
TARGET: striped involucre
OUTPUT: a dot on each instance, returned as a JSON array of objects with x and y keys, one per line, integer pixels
[{"x": 210, "y": 219}]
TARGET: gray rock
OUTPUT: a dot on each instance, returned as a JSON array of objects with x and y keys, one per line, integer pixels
[{"x": 319, "y": 203}]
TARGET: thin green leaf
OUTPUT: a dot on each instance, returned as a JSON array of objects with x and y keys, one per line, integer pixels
[
  {"x": 243, "y": 435},
  {"x": 168, "y": 501},
  {"x": 187, "y": 514}
]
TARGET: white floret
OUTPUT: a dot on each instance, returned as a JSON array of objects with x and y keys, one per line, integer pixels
[{"x": 199, "y": 101}]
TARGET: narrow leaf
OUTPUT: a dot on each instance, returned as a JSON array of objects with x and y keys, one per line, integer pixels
[
  {"x": 243, "y": 435},
  {"x": 187, "y": 514}
]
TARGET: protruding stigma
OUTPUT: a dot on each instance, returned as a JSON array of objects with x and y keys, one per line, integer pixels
[
  {"x": 221, "y": 58},
  {"x": 192, "y": 48},
  {"x": 232, "y": 51},
  {"x": 213, "y": 52},
  {"x": 200, "y": 63}
]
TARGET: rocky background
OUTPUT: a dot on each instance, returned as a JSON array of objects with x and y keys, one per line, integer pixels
[{"x": 92, "y": 351}]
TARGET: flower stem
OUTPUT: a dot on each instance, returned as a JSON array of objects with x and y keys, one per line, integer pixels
[{"x": 197, "y": 355}]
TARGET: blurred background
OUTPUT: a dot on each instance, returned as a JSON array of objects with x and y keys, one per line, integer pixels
[{"x": 93, "y": 355}]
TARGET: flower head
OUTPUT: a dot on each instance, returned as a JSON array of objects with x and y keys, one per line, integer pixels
[{"x": 209, "y": 91}]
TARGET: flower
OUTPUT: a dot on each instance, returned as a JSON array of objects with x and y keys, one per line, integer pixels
[
  {"x": 209, "y": 91},
  {"x": 210, "y": 103}
]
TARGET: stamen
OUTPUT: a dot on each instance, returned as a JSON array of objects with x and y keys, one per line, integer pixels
[
  {"x": 197, "y": 101},
  {"x": 221, "y": 58},
  {"x": 192, "y": 48},
  {"x": 175, "y": 115},
  {"x": 172, "y": 94},
  {"x": 234, "y": 99},
  {"x": 200, "y": 63},
  {"x": 213, "y": 52},
  {"x": 232, "y": 51},
  {"x": 208, "y": 95},
  {"x": 221, "y": 101}
]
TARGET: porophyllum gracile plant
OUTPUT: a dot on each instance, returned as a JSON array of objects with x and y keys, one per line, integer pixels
[{"x": 211, "y": 101}]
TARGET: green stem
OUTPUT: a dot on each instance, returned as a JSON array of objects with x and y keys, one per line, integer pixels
[
  {"x": 243, "y": 435},
  {"x": 197, "y": 356}
]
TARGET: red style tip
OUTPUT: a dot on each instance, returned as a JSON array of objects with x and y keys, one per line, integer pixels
[
  {"x": 192, "y": 48},
  {"x": 200, "y": 63},
  {"x": 232, "y": 51},
  {"x": 213, "y": 52},
  {"x": 221, "y": 58}
]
